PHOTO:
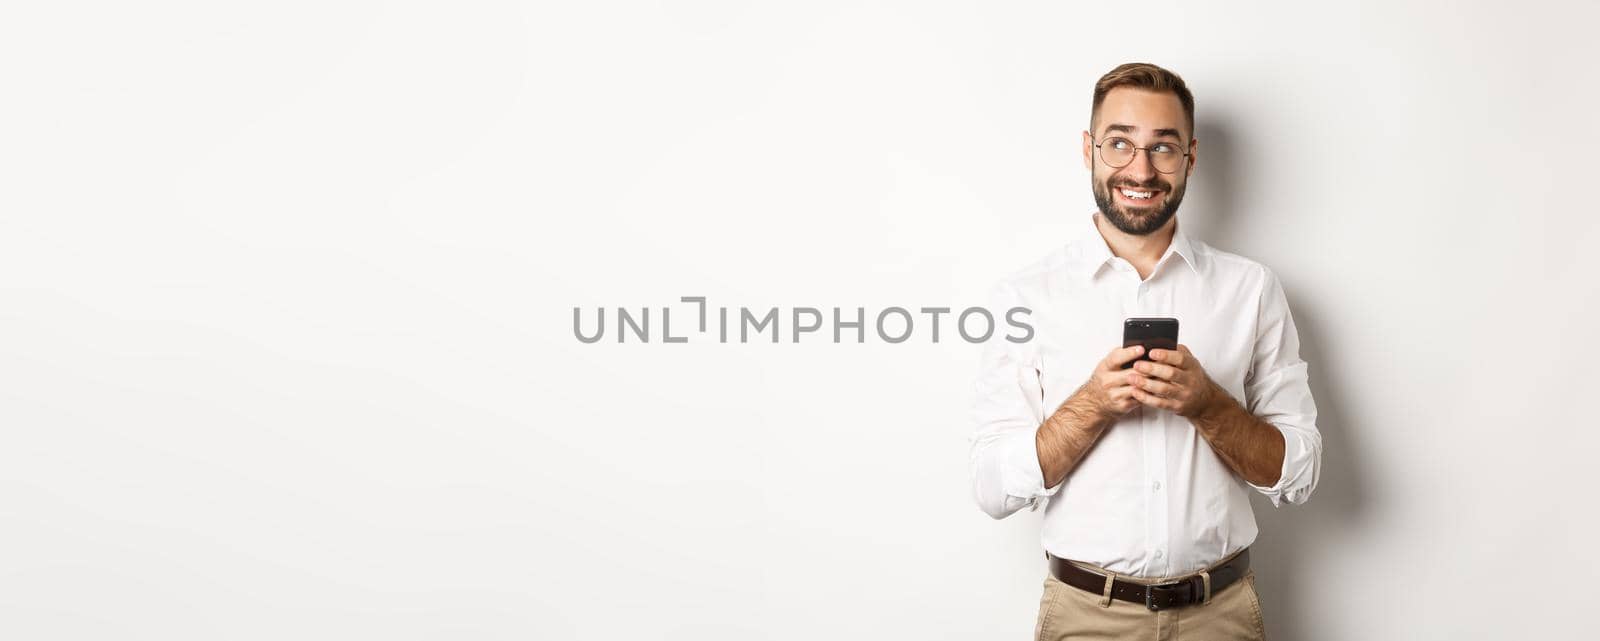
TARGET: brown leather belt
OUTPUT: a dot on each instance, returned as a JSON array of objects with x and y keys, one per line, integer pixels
[{"x": 1172, "y": 594}]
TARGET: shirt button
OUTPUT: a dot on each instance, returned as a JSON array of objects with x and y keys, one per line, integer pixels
[
  {"x": 1158, "y": 554},
  {"x": 1156, "y": 485}
]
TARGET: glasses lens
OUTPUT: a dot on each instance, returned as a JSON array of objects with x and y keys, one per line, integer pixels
[
  {"x": 1166, "y": 157},
  {"x": 1117, "y": 152}
]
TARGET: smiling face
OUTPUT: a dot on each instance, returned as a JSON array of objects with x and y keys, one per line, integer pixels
[{"x": 1139, "y": 198}]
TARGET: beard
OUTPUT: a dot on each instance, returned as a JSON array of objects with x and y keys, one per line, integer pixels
[{"x": 1138, "y": 221}]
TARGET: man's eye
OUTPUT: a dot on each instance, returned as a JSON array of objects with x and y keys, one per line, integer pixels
[
  {"x": 1120, "y": 144},
  {"x": 1164, "y": 148}
]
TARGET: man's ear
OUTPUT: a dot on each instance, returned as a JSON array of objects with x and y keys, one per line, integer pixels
[
  {"x": 1194, "y": 155},
  {"x": 1088, "y": 151}
]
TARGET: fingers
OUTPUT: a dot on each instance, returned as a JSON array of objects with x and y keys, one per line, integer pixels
[
  {"x": 1121, "y": 355},
  {"x": 1156, "y": 387},
  {"x": 1155, "y": 384},
  {"x": 1174, "y": 358},
  {"x": 1118, "y": 393},
  {"x": 1155, "y": 401},
  {"x": 1122, "y": 399},
  {"x": 1119, "y": 381},
  {"x": 1157, "y": 370},
  {"x": 1123, "y": 377},
  {"x": 1168, "y": 381},
  {"x": 1115, "y": 391}
]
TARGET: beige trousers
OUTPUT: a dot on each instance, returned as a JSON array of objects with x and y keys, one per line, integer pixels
[{"x": 1065, "y": 612}]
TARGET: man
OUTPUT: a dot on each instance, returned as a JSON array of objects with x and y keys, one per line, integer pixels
[{"x": 1145, "y": 472}]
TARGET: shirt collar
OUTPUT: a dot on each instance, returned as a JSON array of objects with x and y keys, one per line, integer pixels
[{"x": 1094, "y": 253}]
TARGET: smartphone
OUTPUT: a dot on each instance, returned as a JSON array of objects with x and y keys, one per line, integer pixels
[{"x": 1152, "y": 333}]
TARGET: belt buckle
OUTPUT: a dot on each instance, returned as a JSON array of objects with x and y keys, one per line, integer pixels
[{"x": 1150, "y": 593}]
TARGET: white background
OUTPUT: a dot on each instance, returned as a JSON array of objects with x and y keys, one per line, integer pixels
[{"x": 286, "y": 345}]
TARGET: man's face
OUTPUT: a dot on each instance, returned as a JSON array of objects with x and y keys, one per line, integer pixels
[{"x": 1139, "y": 198}]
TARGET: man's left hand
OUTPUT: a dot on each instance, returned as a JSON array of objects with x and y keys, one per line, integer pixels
[{"x": 1174, "y": 381}]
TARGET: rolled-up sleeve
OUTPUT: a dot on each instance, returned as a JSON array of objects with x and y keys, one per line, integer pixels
[
  {"x": 1277, "y": 391},
  {"x": 1007, "y": 411}
]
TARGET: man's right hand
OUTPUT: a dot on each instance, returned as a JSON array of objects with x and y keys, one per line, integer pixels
[
  {"x": 1110, "y": 389},
  {"x": 1066, "y": 436}
]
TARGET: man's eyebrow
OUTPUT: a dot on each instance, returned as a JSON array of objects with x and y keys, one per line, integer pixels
[{"x": 1128, "y": 129}]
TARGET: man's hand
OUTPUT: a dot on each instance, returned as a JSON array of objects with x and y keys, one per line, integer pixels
[
  {"x": 1066, "y": 436},
  {"x": 1110, "y": 390},
  {"x": 1174, "y": 381}
]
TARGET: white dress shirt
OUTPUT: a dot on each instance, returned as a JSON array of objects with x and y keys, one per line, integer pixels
[{"x": 1151, "y": 498}]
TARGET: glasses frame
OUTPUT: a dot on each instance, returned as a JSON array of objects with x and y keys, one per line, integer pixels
[{"x": 1102, "y": 153}]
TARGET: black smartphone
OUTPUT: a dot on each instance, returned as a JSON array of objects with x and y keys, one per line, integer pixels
[{"x": 1152, "y": 333}]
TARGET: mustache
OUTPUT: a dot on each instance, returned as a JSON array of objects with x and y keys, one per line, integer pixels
[{"x": 1154, "y": 184}]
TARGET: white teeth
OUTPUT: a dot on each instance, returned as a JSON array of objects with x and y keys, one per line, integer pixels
[{"x": 1135, "y": 194}]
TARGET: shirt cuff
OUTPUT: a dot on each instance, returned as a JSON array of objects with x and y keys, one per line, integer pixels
[
  {"x": 1023, "y": 477},
  {"x": 1296, "y": 456}
]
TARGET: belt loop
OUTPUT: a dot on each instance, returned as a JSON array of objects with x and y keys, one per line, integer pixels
[
  {"x": 1105, "y": 600},
  {"x": 1206, "y": 576}
]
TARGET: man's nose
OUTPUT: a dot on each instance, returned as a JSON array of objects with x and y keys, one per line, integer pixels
[{"x": 1142, "y": 168}]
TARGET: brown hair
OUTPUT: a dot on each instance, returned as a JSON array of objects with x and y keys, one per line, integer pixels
[{"x": 1143, "y": 75}]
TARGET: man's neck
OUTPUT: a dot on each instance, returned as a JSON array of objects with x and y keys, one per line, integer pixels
[{"x": 1142, "y": 251}]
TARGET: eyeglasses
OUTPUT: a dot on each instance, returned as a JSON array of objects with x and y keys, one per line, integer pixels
[{"x": 1119, "y": 152}]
